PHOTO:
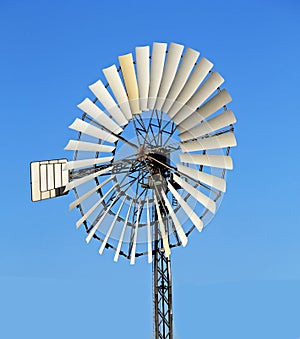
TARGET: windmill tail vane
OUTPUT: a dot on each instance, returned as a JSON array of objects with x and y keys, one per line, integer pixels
[{"x": 149, "y": 161}]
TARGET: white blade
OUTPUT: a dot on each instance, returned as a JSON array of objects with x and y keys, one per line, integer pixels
[
  {"x": 179, "y": 230},
  {"x": 172, "y": 62},
  {"x": 205, "y": 178},
  {"x": 111, "y": 227},
  {"x": 129, "y": 76},
  {"x": 89, "y": 193},
  {"x": 200, "y": 72},
  {"x": 157, "y": 66},
  {"x": 214, "y": 104},
  {"x": 150, "y": 256},
  {"x": 133, "y": 249},
  {"x": 187, "y": 63},
  {"x": 81, "y": 181},
  {"x": 75, "y": 145},
  {"x": 202, "y": 198},
  {"x": 122, "y": 234},
  {"x": 222, "y": 120},
  {"x": 86, "y": 128},
  {"x": 93, "y": 208},
  {"x": 219, "y": 161},
  {"x": 187, "y": 209},
  {"x": 95, "y": 228},
  {"x": 143, "y": 74},
  {"x": 108, "y": 102},
  {"x": 164, "y": 236},
  {"x": 87, "y": 106},
  {"x": 214, "y": 142},
  {"x": 204, "y": 92},
  {"x": 115, "y": 83},
  {"x": 86, "y": 162}
]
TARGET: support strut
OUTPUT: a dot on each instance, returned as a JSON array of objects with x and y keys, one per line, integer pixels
[{"x": 162, "y": 290}]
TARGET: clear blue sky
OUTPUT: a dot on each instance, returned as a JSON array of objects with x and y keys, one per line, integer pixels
[{"x": 240, "y": 278}]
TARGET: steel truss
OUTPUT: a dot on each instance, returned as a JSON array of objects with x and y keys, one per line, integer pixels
[{"x": 162, "y": 289}]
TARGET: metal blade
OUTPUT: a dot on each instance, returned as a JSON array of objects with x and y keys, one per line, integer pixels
[
  {"x": 176, "y": 222},
  {"x": 129, "y": 76},
  {"x": 187, "y": 209},
  {"x": 208, "y": 179},
  {"x": 75, "y": 145},
  {"x": 214, "y": 142},
  {"x": 88, "y": 107},
  {"x": 122, "y": 234},
  {"x": 115, "y": 83},
  {"x": 111, "y": 227},
  {"x": 133, "y": 249},
  {"x": 150, "y": 256},
  {"x": 93, "y": 208},
  {"x": 220, "y": 121},
  {"x": 218, "y": 161},
  {"x": 204, "y": 92},
  {"x": 187, "y": 63},
  {"x": 89, "y": 193},
  {"x": 108, "y": 102},
  {"x": 81, "y": 181},
  {"x": 164, "y": 236},
  {"x": 87, "y": 162},
  {"x": 86, "y": 128},
  {"x": 157, "y": 66},
  {"x": 143, "y": 74},
  {"x": 172, "y": 62},
  {"x": 214, "y": 104},
  {"x": 202, "y": 198},
  {"x": 200, "y": 72}
]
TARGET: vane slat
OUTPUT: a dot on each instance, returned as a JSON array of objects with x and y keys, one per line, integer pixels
[
  {"x": 115, "y": 83},
  {"x": 187, "y": 63},
  {"x": 143, "y": 74}
]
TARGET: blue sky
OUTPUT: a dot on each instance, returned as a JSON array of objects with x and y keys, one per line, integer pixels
[{"x": 240, "y": 278}]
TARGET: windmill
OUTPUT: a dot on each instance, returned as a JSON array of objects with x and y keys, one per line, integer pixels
[{"x": 149, "y": 161}]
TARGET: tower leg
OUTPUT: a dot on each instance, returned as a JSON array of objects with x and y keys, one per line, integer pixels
[{"x": 162, "y": 290}]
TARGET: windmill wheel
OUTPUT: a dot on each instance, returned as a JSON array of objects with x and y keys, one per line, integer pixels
[{"x": 152, "y": 151}]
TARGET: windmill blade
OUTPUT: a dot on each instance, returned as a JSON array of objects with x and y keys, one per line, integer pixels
[
  {"x": 214, "y": 142},
  {"x": 108, "y": 102},
  {"x": 186, "y": 208},
  {"x": 187, "y": 63},
  {"x": 202, "y": 198},
  {"x": 75, "y": 145},
  {"x": 220, "y": 121},
  {"x": 86, "y": 128},
  {"x": 179, "y": 230},
  {"x": 150, "y": 256},
  {"x": 87, "y": 106},
  {"x": 111, "y": 227},
  {"x": 86, "y": 162},
  {"x": 97, "y": 225},
  {"x": 157, "y": 65},
  {"x": 133, "y": 249},
  {"x": 208, "y": 179},
  {"x": 200, "y": 72},
  {"x": 172, "y": 62},
  {"x": 213, "y": 105},
  {"x": 116, "y": 257},
  {"x": 143, "y": 74},
  {"x": 164, "y": 236},
  {"x": 89, "y": 193},
  {"x": 78, "y": 182},
  {"x": 129, "y": 76},
  {"x": 204, "y": 92},
  {"x": 115, "y": 83},
  {"x": 219, "y": 161},
  {"x": 93, "y": 208}
]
